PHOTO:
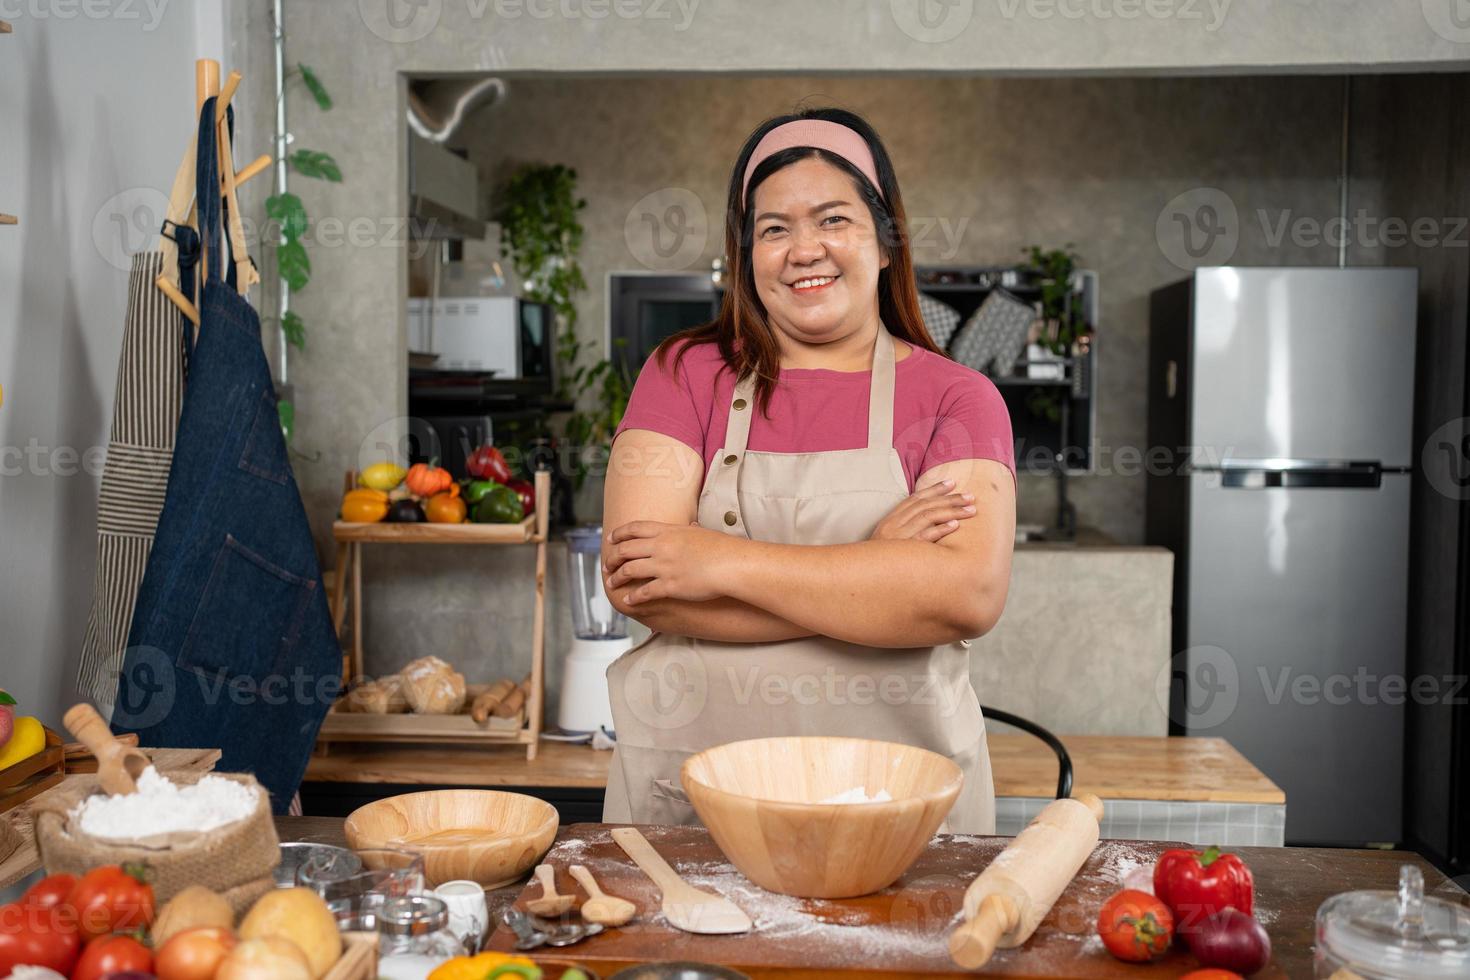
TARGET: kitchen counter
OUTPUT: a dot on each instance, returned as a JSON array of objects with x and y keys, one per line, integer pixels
[
  {"x": 1198, "y": 789},
  {"x": 1290, "y": 884}
]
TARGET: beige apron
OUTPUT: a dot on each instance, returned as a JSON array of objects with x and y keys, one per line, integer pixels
[{"x": 673, "y": 696}]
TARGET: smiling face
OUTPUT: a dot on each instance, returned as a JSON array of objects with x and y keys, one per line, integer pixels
[{"x": 815, "y": 255}]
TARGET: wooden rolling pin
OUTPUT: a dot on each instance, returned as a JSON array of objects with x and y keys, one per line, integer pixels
[{"x": 1007, "y": 902}]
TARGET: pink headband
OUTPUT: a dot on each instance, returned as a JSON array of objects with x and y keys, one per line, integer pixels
[{"x": 820, "y": 133}]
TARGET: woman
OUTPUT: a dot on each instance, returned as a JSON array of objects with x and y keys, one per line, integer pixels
[{"x": 807, "y": 502}]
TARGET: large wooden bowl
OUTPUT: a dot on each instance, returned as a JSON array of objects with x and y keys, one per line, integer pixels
[
  {"x": 482, "y": 835},
  {"x": 759, "y": 800}
]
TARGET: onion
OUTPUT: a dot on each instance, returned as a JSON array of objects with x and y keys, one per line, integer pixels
[{"x": 1229, "y": 939}]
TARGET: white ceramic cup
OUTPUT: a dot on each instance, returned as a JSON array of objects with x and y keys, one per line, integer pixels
[{"x": 468, "y": 914}]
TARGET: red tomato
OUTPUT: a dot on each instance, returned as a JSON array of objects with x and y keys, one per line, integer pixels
[
  {"x": 112, "y": 899},
  {"x": 35, "y": 936},
  {"x": 194, "y": 954},
  {"x": 49, "y": 891},
  {"x": 112, "y": 954},
  {"x": 1135, "y": 926}
]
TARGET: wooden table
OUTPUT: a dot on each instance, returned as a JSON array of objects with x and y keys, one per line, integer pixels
[
  {"x": 1112, "y": 766},
  {"x": 1290, "y": 884}
]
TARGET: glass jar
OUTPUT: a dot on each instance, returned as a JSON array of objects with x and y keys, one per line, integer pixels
[
  {"x": 416, "y": 925},
  {"x": 1384, "y": 935}
]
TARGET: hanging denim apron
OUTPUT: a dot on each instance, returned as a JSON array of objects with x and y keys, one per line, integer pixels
[{"x": 231, "y": 644}]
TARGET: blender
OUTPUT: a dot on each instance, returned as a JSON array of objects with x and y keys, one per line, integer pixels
[{"x": 599, "y": 636}]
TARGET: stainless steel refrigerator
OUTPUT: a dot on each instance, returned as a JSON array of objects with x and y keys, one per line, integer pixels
[{"x": 1286, "y": 397}]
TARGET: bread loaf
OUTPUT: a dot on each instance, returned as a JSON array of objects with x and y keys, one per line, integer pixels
[{"x": 432, "y": 687}]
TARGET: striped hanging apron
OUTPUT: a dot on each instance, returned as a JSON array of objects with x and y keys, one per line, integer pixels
[{"x": 140, "y": 449}]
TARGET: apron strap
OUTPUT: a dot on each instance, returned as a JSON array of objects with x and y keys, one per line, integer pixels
[{"x": 880, "y": 393}]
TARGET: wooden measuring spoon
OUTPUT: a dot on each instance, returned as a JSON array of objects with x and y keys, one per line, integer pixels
[
  {"x": 600, "y": 907},
  {"x": 119, "y": 765},
  {"x": 550, "y": 903}
]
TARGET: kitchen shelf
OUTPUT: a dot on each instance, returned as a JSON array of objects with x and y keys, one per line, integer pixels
[
  {"x": 436, "y": 533},
  {"x": 350, "y": 538},
  {"x": 1045, "y": 445},
  {"x": 9, "y": 219},
  {"x": 5, "y": 27}
]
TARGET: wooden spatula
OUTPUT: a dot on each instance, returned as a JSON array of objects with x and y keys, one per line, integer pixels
[
  {"x": 686, "y": 907},
  {"x": 600, "y": 907},
  {"x": 119, "y": 766}
]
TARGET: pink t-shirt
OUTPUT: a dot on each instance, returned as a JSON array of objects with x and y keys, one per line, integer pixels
[{"x": 943, "y": 411}]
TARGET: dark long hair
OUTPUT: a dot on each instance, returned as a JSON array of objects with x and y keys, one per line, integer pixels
[{"x": 746, "y": 340}]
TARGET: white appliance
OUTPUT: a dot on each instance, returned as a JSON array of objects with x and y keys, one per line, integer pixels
[
  {"x": 600, "y": 636},
  {"x": 477, "y": 333},
  {"x": 1292, "y": 392}
]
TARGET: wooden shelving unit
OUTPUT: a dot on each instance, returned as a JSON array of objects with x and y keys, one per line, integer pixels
[{"x": 445, "y": 729}]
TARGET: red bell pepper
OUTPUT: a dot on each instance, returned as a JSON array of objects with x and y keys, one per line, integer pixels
[
  {"x": 486, "y": 463},
  {"x": 1197, "y": 884}
]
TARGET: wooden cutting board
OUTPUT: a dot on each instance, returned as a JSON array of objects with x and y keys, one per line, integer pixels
[
  {"x": 902, "y": 931},
  {"x": 24, "y": 859}
]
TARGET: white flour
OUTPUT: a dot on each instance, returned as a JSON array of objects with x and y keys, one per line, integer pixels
[
  {"x": 858, "y": 795},
  {"x": 160, "y": 807}
]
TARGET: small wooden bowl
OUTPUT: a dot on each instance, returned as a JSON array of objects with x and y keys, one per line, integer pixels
[
  {"x": 760, "y": 801},
  {"x": 482, "y": 835}
]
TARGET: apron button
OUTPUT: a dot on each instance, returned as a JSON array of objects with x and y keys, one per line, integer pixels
[
  {"x": 739, "y": 404},
  {"x": 730, "y": 518},
  {"x": 730, "y": 459}
]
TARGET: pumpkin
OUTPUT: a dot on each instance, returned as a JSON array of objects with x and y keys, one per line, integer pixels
[{"x": 426, "y": 479}]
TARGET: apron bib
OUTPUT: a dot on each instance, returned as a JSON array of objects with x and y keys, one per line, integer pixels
[{"x": 673, "y": 696}]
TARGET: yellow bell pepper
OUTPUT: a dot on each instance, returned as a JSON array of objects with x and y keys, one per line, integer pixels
[
  {"x": 26, "y": 740},
  {"x": 478, "y": 967},
  {"x": 364, "y": 506}
]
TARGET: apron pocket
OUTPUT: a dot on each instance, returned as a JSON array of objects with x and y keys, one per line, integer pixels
[
  {"x": 249, "y": 618},
  {"x": 667, "y": 804},
  {"x": 265, "y": 454}
]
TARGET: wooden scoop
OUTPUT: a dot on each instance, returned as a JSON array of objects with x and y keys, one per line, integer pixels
[
  {"x": 119, "y": 766},
  {"x": 550, "y": 903},
  {"x": 602, "y": 908},
  {"x": 686, "y": 907}
]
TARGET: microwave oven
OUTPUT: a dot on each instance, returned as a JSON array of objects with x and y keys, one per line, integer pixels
[{"x": 506, "y": 337}]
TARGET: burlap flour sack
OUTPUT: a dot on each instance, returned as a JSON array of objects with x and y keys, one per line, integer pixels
[{"x": 236, "y": 860}]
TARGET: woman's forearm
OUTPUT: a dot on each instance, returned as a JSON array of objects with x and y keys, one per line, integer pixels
[
  {"x": 724, "y": 619},
  {"x": 877, "y": 593}
]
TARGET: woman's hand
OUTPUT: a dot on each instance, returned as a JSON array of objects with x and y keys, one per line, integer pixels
[
  {"x": 926, "y": 515},
  {"x": 672, "y": 561}
]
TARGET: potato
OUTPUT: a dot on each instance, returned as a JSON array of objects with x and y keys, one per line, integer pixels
[
  {"x": 269, "y": 958},
  {"x": 300, "y": 915},
  {"x": 194, "y": 906}
]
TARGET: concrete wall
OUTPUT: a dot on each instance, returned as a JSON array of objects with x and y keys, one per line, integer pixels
[{"x": 96, "y": 107}]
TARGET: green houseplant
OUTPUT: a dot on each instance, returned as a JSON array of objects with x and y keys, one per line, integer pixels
[
  {"x": 288, "y": 213},
  {"x": 1063, "y": 322},
  {"x": 541, "y": 235}
]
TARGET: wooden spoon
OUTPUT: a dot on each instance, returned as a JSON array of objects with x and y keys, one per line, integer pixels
[
  {"x": 119, "y": 766},
  {"x": 600, "y": 907},
  {"x": 550, "y": 903},
  {"x": 686, "y": 907}
]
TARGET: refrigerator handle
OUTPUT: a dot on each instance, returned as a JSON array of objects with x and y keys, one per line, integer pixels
[{"x": 1301, "y": 474}]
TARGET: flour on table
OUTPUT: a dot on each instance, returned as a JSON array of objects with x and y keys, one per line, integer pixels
[
  {"x": 161, "y": 807},
  {"x": 858, "y": 795}
]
